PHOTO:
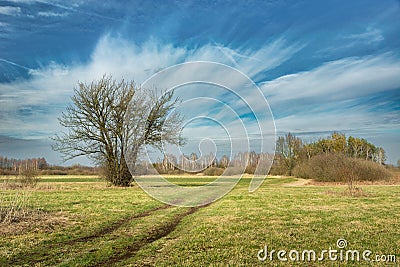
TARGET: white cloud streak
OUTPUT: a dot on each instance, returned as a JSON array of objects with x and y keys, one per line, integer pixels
[
  {"x": 33, "y": 105},
  {"x": 10, "y": 10},
  {"x": 338, "y": 80},
  {"x": 52, "y": 14},
  {"x": 370, "y": 36}
]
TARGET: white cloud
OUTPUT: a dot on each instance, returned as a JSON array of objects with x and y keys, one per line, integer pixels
[
  {"x": 339, "y": 120},
  {"x": 10, "y": 10},
  {"x": 370, "y": 36},
  {"x": 5, "y": 27},
  {"x": 34, "y": 104},
  {"x": 337, "y": 80},
  {"x": 267, "y": 57},
  {"x": 52, "y": 14}
]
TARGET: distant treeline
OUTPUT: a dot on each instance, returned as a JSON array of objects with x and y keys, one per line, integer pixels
[
  {"x": 14, "y": 166},
  {"x": 243, "y": 160},
  {"x": 293, "y": 156},
  {"x": 11, "y": 166}
]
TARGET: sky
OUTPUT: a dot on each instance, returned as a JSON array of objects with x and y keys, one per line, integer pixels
[{"x": 322, "y": 66}]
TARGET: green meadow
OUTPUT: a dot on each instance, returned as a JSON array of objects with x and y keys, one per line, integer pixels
[{"x": 81, "y": 221}]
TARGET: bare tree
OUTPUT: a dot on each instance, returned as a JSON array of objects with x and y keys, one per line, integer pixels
[
  {"x": 288, "y": 149},
  {"x": 109, "y": 120}
]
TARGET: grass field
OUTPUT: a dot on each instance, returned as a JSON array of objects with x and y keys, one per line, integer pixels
[{"x": 80, "y": 221}]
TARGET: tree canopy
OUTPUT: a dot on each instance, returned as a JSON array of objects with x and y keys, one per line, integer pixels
[{"x": 108, "y": 120}]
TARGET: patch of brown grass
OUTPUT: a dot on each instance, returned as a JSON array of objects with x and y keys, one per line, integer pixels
[
  {"x": 18, "y": 216},
  {"x": 354, "y": 192},
  {"x": 33, "y": 221},
  {"x": 394, "y": 180}
]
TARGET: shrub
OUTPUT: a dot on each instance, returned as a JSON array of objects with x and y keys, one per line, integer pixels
[
  {"x": 214, "y": 171},
  {"x": 278, "y": 168},
  {"x": 234, "y": 171},
  {"x": 339, "y": 168},
  {"x": 28, "y": 177},
  {"x": 250, "y": 169},
  {"x": 371, "y": 171}
]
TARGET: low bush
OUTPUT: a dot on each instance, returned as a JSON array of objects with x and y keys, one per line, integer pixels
[
  {"x": 339, "y": 168},
  {"x": 234, "y": 171},
  {"x": 27, "y": 176},
  {"x": 371, "y": 171},
  {"x": 214, "y": 171},
  {"x": 278, "y": 168},
  {"x": 250, "y": 169}
]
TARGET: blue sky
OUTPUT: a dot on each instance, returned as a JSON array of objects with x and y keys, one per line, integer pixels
[{"x": 323, "y": 66}]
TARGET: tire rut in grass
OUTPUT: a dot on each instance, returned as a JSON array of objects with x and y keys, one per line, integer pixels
[
  {"x": 154, "y": 235},
  {"x": 114, "y": 226},
  {"x": 41, "y": 254}
]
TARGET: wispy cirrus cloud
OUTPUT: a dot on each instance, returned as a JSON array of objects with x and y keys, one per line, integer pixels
[
  {"x": 29, "y": 105},
  {"x": 342, "y": 85},
  {"x": 10, "y": 10},
  {"x": 338, "y": 80},
  {"x": 253, "y": 62},
  {"x": 370, "y": 35},
  {"x": 332, "y": 82},
  {"x": 52, "y": 14}
]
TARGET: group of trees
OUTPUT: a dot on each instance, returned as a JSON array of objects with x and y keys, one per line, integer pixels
[
  {"x": 193, "y": 163},
  {"x": 11, "y": 166},
  {"x": 332, "y": 159},
  {"x": 292, "y": 151},
  {"x": 15, "y": 166}
]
